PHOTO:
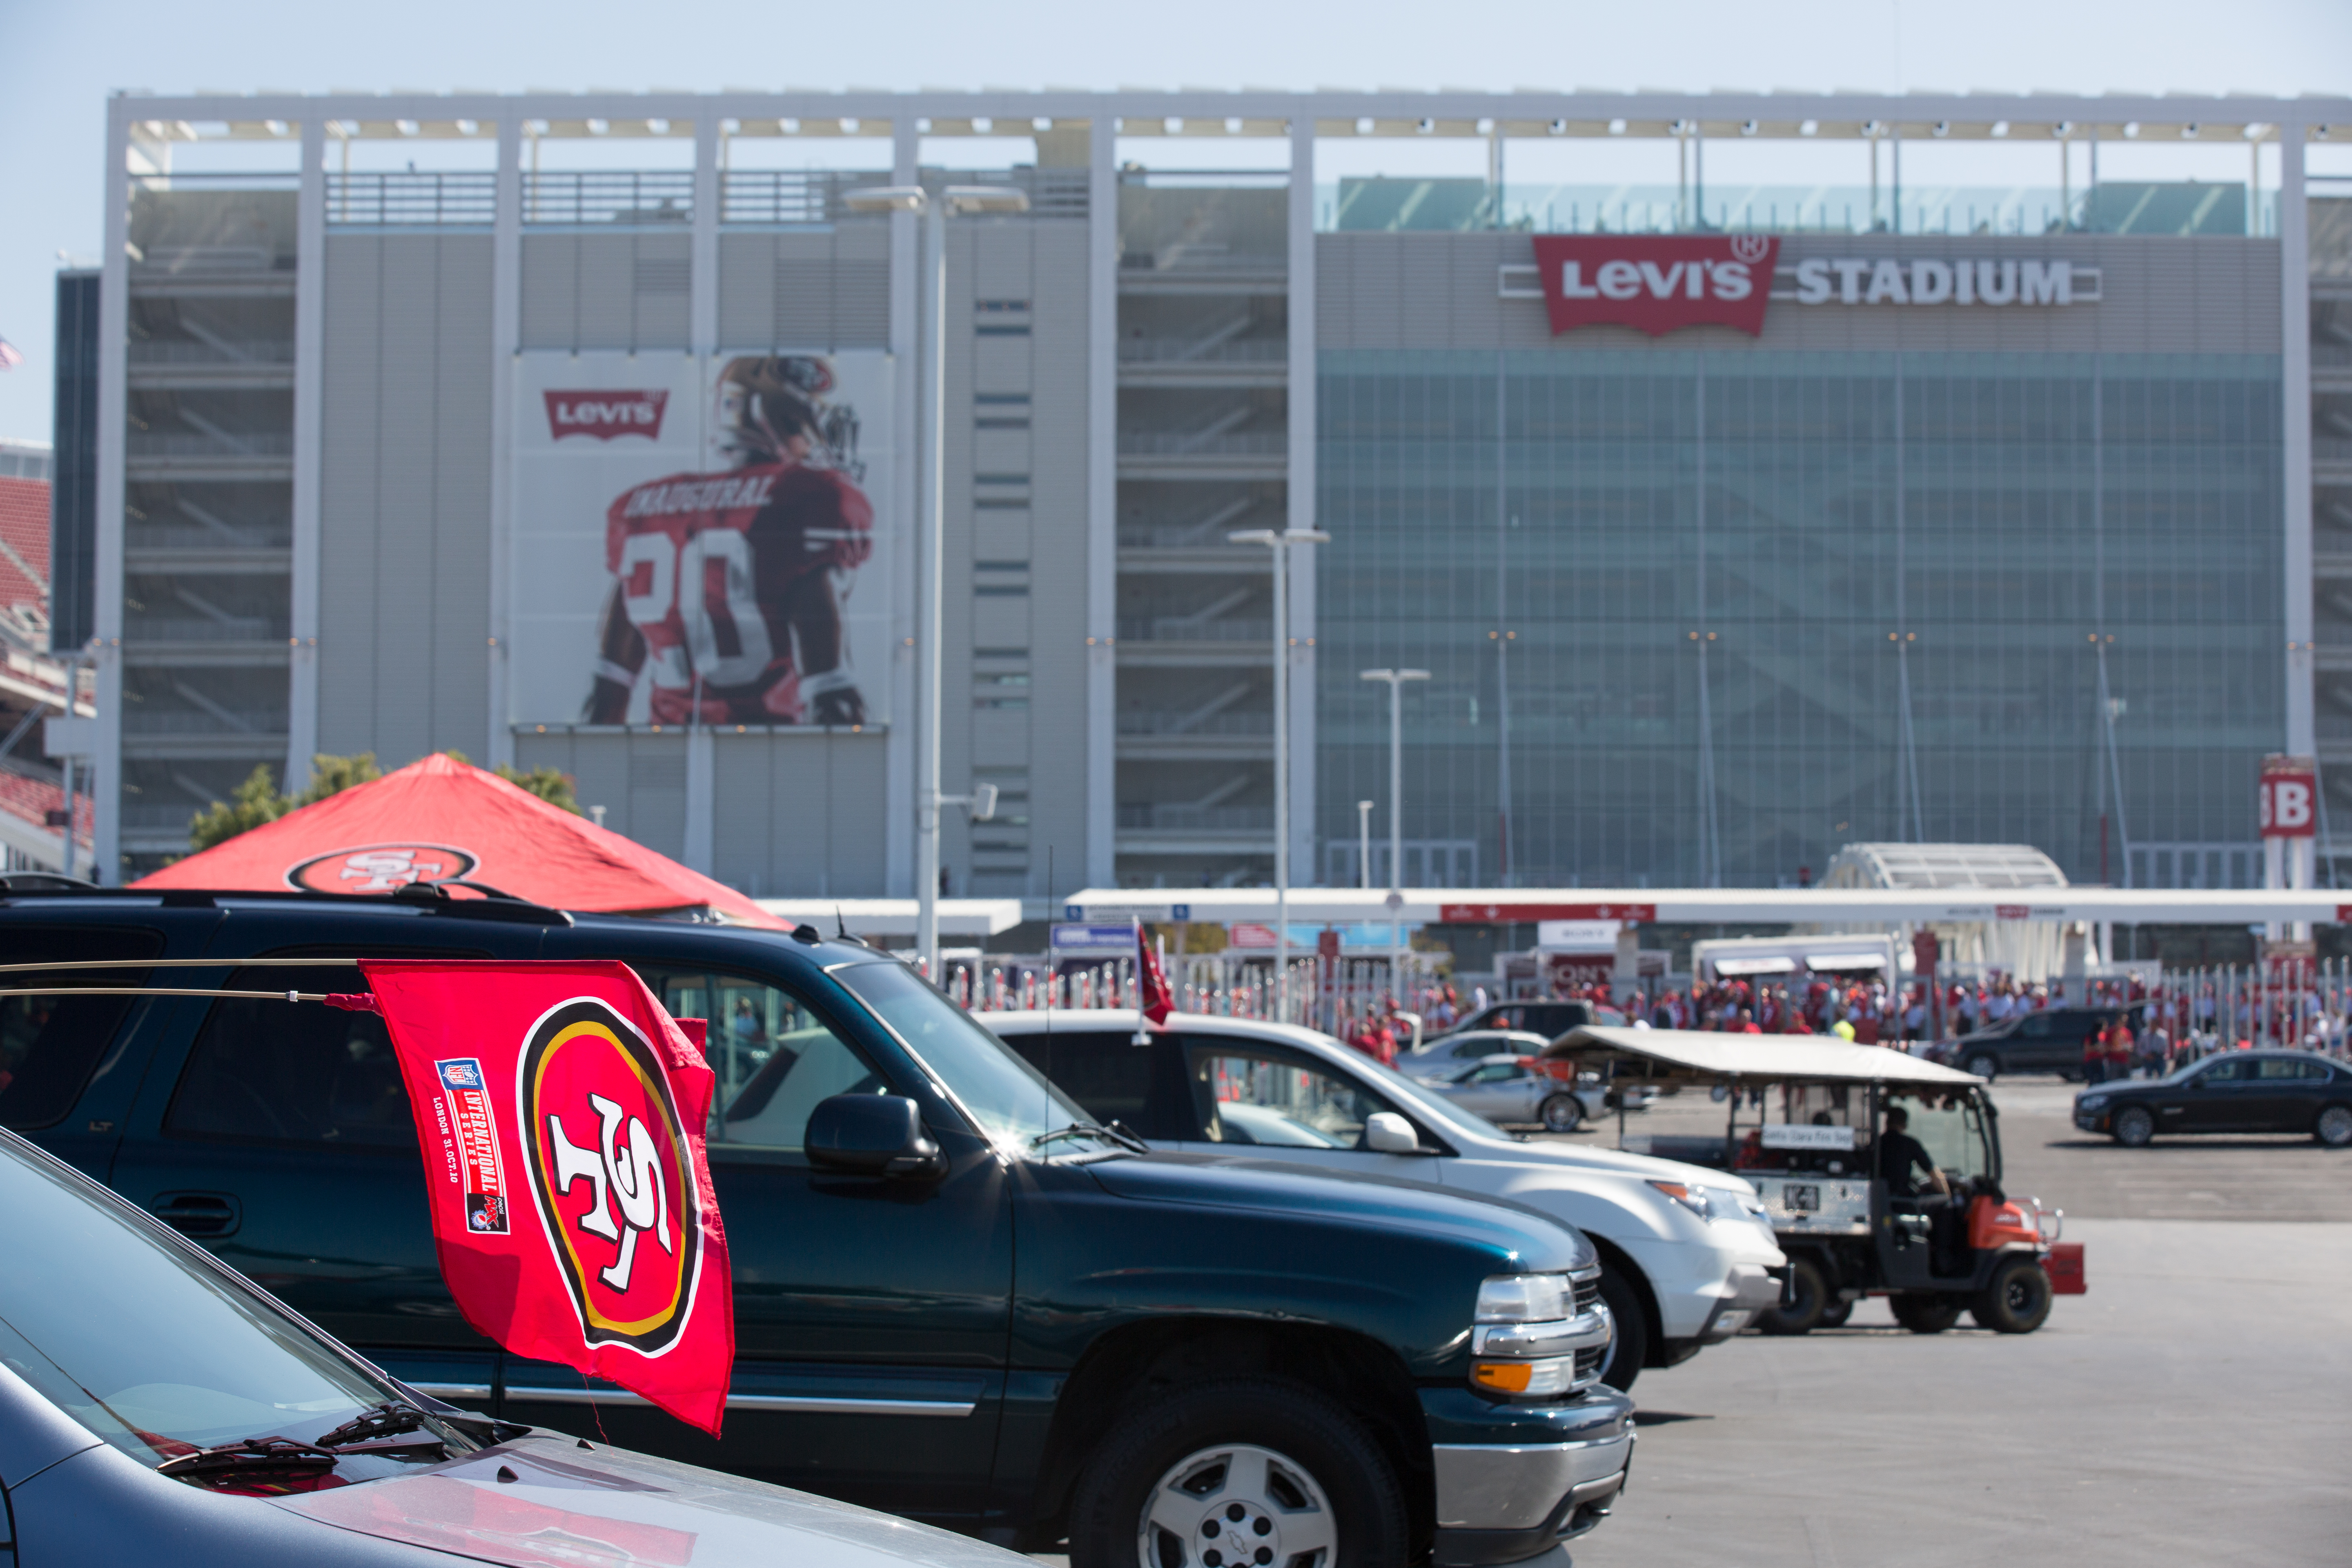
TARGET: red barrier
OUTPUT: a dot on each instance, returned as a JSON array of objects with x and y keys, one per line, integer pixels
[{"x": 2065, "y": 1266}]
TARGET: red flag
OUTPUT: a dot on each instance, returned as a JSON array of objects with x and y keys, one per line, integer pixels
[
  {"x": 562, "y": 1113},
  {"x": 1157, "y": 1000}
]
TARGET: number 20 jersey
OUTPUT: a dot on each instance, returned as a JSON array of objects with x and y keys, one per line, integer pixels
[{"x": 705, "y": 564}]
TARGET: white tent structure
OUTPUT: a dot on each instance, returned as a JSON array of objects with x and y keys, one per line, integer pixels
[{"x": 2038, "y": 950}]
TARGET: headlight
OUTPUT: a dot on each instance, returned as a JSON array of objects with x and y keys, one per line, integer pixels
[
  {"x": 2091, "y": 1102},
  {"x": 1699, "y": 1200},
  {"x": 1526, "y": 1298}
]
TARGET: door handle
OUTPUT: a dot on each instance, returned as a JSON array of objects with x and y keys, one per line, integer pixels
[{"x": 201, "y": 1215}]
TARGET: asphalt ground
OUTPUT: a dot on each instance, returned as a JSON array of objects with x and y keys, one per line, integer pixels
[{"x": 2189, "y": 1409}]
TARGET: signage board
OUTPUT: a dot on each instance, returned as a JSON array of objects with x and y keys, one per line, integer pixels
[
  {"x": 1094, "y": 941},
  {"x": 1497, "y": 912},
  {"x": 2288, "y": 797},
  {"x": 1577, "y": 936}
]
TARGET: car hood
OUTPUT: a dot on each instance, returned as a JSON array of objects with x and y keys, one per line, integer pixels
[
  {"x": 614, "y": 1507},
  {"x": 1615, "y": 1162},
  {"x": 1348, "y": 1198}
]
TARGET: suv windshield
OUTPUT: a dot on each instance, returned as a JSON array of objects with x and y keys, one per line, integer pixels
[
  {"x": 161, "y": 1357},
  {"x": 1010, "y": 1102}
]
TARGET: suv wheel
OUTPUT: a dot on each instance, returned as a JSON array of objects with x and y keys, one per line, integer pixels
[
  {"x": 2134, "y": 1127},
  {"x": 1239, "y": 1473},
  {"x": 1802, "y": 1303},
  {"x": 1983, "y": 1065},
  {"x": 1924, "y": 1314},
  {"x": 1629, "y": 1348},
  {"x": 2017, "y": 1300},
  {"x": 2335, "y": 1128},
  {"x": 1562, "y": 1113}
]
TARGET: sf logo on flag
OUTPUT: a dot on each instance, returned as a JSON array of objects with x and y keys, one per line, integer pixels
[{"x": 611, "y": 1174}]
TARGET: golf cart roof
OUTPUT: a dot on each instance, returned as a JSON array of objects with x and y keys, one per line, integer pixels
[{"x": 1697, "y": 1056}]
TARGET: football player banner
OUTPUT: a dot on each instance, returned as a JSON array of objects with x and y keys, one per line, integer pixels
[{"x": 561, "y": 1112}]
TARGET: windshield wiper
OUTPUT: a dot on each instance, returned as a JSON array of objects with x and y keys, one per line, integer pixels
[
  {"x": 1113, "y": 1135},
  {"x": 365, "y": 1433}
]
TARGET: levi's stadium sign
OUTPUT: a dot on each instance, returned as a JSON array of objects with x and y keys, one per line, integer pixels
[{"x": 1662, "y": 283}]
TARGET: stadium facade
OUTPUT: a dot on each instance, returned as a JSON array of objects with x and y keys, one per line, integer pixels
[{"x": 1731, "y": 524}]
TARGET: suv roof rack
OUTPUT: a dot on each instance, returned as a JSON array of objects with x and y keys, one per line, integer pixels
[{"x": 490, "y": 904}]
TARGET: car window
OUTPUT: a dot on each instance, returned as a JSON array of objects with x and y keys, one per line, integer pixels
[
  {"x": 1497, "y": 1072},
  {"x": 2277, "y": 1068},
  {"x": 2036, "y": 1026},
  {"x": 1245, "y": 1095},
  {"x": 2229, "y": 1069},
  {"x": 267, "y": 1071},
  {"x": 773, "y": 1056},
  {"x": 1108, "y": 1075},
  {"x": 153, "y": 1352},
  {"x": 49, "y": 1046},
  {"x": 1952, "y": 1129},
  {"x": 1010, "y": 1102}
]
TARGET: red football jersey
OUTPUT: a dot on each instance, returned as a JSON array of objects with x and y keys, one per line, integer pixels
[{"x": 705, "y": 563}]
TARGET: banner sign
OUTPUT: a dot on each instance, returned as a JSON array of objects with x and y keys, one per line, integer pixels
[
  {"x": 1094, "y": 941},
  {"x": 702, "y": 539},
  {"x": 2289, "y": 798},
  {"x": 562, "y": 1113},
  {"x": 1656, "y": 285}
]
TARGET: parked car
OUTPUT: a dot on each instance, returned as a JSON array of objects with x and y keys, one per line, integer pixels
[
  {"x": 1446, "y": 1054},
  {"x": 2234, "y": 1092},
  {"x": 157, "y": 1405},
  {"x": 1550, "y": 1019},
  {"x": 1516, "y": 1091},
  {"x": 2048, "y": 1041},
  {"x": 1687, "y": 1259},
  {"x": 1023, "y": 1333}
]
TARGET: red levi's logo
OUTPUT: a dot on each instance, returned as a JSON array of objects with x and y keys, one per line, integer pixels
[
  {"x": 605, "y": 415},
  {"x": 1655, "y": 284}
]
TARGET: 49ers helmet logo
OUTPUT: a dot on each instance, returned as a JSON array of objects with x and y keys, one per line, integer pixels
[
  {"x": 379, "y": 868},
  {"x": 611, "y": 1174}
]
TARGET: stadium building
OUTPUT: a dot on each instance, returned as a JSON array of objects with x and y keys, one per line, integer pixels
[{"x": 1733, "y": 520}]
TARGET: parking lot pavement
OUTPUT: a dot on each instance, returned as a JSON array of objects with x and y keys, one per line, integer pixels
[{"x": 2188, "y": 1410}]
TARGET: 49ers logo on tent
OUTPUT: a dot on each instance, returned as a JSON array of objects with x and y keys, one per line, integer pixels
[
  {"x": 609, "y": 1168},
  {"x": 379, "y": 868}
]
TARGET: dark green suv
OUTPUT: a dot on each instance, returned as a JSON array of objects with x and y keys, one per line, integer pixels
[{"x": 1165, "y": 1359}]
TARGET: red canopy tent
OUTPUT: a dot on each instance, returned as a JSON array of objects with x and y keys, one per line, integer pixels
[{"x": 439, "y": 817}]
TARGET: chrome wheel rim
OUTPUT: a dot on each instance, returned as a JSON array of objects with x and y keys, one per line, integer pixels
[
  {"x": 1560, "y": 1114},
  {"x": 2135, "y": 1126},
  {"x": 2335, "y": 1125},
  {"x": 1236, "y": 1506}
]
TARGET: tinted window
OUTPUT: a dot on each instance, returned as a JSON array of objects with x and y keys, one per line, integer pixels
[
  {"x": 1496, "y": 1072},
  {"x": 302, "y": 1072},
  {"x": 1250, "y": 1096},
  {"x": 50, "y": 1045},
  {"x": 2036, "y": 1026},
  {"x": 2276, "y": 1068},
  {"x": 774, "y": 1058},
  {"x": 2229, "y": 1069},
  {"x": 1108, "y": 1075}
]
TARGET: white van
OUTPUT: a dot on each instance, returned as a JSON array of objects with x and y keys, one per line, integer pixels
[{"x": 1688, "y": 1258}]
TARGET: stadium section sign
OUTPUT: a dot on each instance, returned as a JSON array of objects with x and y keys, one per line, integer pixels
[{"x": 702, "y": 539}]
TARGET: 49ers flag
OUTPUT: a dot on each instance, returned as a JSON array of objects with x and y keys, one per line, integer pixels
[{"x": 561, "y": 1111}]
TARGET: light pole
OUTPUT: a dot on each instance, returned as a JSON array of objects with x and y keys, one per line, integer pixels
[
  {"x": 1364, "y": 844},
  {"x": 931, "y": 547},
  {"x": 1396, "y": 679},
  {"x": 1279, "y": 543}
]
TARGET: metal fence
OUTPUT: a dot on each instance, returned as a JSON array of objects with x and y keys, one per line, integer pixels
[
  {"x": 411, "y": 200},
  {"x": 617, "y": 196}
]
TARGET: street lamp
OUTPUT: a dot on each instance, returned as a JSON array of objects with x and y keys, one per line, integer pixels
[
  {"x": 931, "y": 549},
  {"x": 1364, "y": 844},
  {"x": 1279, "y": 543},
  {"x": 1396, "y": 679}
]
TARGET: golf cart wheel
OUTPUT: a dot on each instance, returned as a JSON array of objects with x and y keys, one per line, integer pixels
[
  {"x": 1561, "y": 1113},
  {"x": 1239, "y": 1473},
  {"x": 1630, "y": 1347},
  {"x": 2335, "y": 1128},
  {"x": 1983, "y": 1065},
  {"x": 2017, "y": 1301},
  {"x": 2135, "y": 1127},
  {"x": 1802, "y": 1304},
  {"x": 1924, "y": 1314},
  {"x": 1835, "y": 1314}
]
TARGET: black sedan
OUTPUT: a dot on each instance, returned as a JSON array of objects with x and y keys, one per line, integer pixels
[{"x": 2236, "y": 1091}]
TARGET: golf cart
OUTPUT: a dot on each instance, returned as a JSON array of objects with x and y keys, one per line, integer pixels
[{"x": 1802, "y": 1121}]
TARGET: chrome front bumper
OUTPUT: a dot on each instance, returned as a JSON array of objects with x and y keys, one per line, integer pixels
[{"x": 1499, "y": 1504}]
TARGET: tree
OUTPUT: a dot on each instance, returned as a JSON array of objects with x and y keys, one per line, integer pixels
[
  {"x": 551, "y": 784},
  {"x": 257, "y": 800}
]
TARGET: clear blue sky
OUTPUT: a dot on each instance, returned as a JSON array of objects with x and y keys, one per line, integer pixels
[{"x": 61, "y": 60}]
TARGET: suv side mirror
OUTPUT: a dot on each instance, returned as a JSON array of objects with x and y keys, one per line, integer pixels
[
  {"x": 1386, "y": 1132},
  {"x": 871, "y": 1135}
]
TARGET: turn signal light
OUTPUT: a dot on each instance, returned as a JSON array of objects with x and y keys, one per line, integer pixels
[{"x": 1501, "y": 1377}]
